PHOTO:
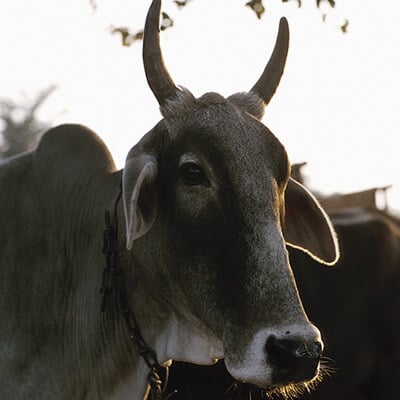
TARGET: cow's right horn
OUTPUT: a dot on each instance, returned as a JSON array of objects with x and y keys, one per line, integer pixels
[
  {"x": 158, "y": 78},
  {"x": 269, "y": 80}
]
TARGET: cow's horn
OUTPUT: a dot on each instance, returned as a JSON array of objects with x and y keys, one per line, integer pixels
[
  {"x": 269, "y": 80},
  {"x": 158, "y": 78}
]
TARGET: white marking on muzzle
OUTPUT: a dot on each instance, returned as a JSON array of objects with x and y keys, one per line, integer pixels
[{"x": 253, "y": 365}]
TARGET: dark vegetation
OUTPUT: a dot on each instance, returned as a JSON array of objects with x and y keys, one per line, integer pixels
[
  {"x": 20, "y": 128},
  {"x": 259, "y": 7}
]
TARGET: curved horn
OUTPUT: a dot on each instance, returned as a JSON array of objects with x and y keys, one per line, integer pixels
[
  {"x": 269, "y": 80},
  {"x": 158, "y": 78}
]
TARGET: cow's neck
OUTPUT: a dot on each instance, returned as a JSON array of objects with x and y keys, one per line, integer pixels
[
  {"x": 171, "y": 335},
  {"x": 117, "y": 281},
  {"x": 116, "y": 329},
  {"x": 96, "y": 347}
]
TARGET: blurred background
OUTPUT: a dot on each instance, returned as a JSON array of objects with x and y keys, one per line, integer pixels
[{"x": 336, "y": 108}]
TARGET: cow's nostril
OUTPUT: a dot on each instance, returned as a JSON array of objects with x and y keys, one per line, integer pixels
[{"x": 294, "y": 360}]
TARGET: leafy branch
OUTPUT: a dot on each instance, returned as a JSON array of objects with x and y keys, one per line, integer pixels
[
  {"x": 129, "y": 37},
  {"x": 21, "y": 129}
]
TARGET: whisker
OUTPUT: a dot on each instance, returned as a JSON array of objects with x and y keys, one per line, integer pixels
[
  {"x": 327, "y": 369},
  {"x": 233, "y": 386},
  {"x": 294, "y": 390}
]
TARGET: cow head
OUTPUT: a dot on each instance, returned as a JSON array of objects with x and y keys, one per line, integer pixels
[{"x": 209, "y": 210}]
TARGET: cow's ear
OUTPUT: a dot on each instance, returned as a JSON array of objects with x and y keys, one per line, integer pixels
[
  {"x": 306, "y": 226},
  {"x": 139, "y": 196}
]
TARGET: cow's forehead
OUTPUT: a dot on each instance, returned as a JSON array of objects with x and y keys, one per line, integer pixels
[{"x": 228, "y": 134}]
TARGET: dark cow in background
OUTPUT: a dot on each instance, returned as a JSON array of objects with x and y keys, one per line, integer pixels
[
  {"x": 357, "y": 306},
  {"x": 367, "y": 198},
  {"x": 364, "y": 198}
]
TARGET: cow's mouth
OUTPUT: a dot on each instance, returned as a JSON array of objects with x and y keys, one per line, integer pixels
[
  {"x": 287, "y": 391},
  {"x": 293, "y": 390}
]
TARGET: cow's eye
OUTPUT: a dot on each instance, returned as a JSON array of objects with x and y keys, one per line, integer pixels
[{"x": 192, "y": 174}]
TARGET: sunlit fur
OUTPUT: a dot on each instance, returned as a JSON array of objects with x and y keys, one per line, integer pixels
[
  {"x": 290, "y": 391},
  {"x": 183, "y": 103},
  {"x": 294, "y": 390},
  {"x": 251, "y": 102},
  {"x": 180, "y": 105}
]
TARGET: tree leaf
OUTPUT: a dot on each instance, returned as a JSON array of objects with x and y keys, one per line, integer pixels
[
  {"x": 345, "y": 26},
  {"x": 331, "y": 2},
  {"x": 257, "y": 6},
  {"x": 299, "y": 3},
  {"x": 166, "y": 21},
  {"x": 125, "y": 35},
  {"x": 181, "y": 3}
]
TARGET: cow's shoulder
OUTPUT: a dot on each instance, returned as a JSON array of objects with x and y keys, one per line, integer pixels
[{"x": 72, "y": 148}]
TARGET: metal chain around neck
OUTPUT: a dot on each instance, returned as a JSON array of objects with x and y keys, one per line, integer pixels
[{"x": 113, "y": 282}]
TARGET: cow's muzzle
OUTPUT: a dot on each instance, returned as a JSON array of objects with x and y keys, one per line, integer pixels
[{"x": 294, "y": 360}]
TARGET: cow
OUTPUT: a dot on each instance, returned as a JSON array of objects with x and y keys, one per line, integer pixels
[
  {"x": 356, "y": 305},
  {"x": 187, "y": 244},
  {"x": 361, "y": 199}
]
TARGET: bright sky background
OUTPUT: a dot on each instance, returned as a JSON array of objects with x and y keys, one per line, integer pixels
[{"x": 337, "y": 106}]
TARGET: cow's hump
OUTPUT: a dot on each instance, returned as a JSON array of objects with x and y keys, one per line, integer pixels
[{"x": 73, "y": 148}]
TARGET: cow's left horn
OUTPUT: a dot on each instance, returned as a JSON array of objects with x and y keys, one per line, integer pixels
[
  {"x": 158, "y": 78},
  {"x": 269, "y": 80}
]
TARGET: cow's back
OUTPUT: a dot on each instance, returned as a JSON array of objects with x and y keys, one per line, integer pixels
[
  {"x": 51, "y": 201},
  {"x": 41, "y": 193}
]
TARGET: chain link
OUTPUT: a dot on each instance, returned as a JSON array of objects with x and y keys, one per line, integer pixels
[{"x": 112, "y": 280}]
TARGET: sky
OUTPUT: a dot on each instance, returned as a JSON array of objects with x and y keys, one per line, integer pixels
[{"x": 337, "y": 106}]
